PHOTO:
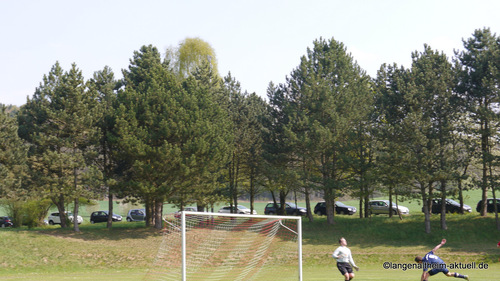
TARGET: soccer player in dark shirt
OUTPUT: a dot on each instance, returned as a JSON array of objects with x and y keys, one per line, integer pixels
[{"x": 436, "y": 264}]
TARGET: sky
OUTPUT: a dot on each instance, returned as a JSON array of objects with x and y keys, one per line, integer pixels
[{"x": 257, "y": 41}]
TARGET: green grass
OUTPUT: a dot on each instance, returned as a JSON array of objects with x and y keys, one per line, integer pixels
[
  {"x": 377, "y": 272},
  {"x": 128, "y": 250}
]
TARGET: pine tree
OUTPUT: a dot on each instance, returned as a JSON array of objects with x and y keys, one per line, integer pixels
[
  {"x": 60, "y": 123},
  {"x": 417, "y": 125},
  {"x": 243, "y": 168},
  {"x": 104, "y": 85},
  {"x": 277, "y": 151},
  {"x": 434, "y": 79},
  {"x": 478, "y": 85},
  {"x": 13, "y": 159},
  {"x": 327, "y": 94},
  {"x": 171, "y": 136}
]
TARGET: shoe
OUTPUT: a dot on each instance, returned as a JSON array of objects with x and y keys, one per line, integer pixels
[{"x": 466, "y": 277}]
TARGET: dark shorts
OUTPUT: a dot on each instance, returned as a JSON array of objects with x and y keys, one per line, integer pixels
[
  {"x": 344, "y": 267},
  {"x": 435, "y": 271}
]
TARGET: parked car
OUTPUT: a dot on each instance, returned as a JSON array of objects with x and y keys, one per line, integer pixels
[
  {"x": 490, "y": 206},
  {"x": 340, "y": 208},
  {"x": 188, "y": 209},
  {"x": 136, "y": 215},
  {"x": 55, "y": 219},
  {"x": 240, "y": 210},
  {"x": 452, "y": 206},
  {"x": 6, "y": 222},
  {"x": 290, "y": 208},
  {"x": 382, "y": 207},
  {"x": 102, "y": 216}
]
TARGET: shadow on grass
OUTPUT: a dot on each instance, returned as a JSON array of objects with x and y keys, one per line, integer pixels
[
  {"x": 469, "y": 232},
  {"x": 93, "y": 232}
]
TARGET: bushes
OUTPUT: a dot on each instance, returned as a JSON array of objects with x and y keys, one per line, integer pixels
[{"x": 30, "y": 213}]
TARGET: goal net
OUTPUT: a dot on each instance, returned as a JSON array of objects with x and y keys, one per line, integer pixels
[{"x": 219, "y": 246}]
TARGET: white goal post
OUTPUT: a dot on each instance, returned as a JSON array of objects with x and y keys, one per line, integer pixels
[{"x": 221, "y": 246}]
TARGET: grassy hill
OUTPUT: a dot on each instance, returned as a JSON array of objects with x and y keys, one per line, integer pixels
[{"x": 128, "y": 250}]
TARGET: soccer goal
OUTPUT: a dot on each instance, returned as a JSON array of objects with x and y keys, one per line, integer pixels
[{"x": 219, "y": 246}]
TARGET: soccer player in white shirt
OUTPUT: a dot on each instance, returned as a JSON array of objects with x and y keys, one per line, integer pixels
[{"x": 344, "y": 260}]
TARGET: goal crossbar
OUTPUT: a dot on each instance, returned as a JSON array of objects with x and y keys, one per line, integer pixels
[{"x": 240, "y": 215}]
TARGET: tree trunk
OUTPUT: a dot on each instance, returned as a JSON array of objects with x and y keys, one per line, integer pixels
[
  {"x": 282, "y": 209},
  {"x": 252, "y": 191},
  {"x": 308, "y": 204},
  {"x": 390, "y": 201},
  {"x": 431, "y": 196},
  {"x": 307, "y": 190},
  {"x": 62, "y": 212},
  {"x": 150, "y": 212},
  {"x": 158, "y": 223},
  {"x": 367, "y": 200},
  {"x": 235, "y": 194},
  {"x": 484, "y": 187},
  {"x": 330, "y": 206},
  {"x": 460, "y": 191},
  {"x": 427, "y": 220},
  {"x": 110, "y": 209},
  {"x": 461, "y": 196},
  {"x": 397, "y": 207},
  {"x": 495, "y": 206},
  {"x": 443, "y": 205},
  {"x": 76, "y": 226},
  {"x": 360, "y": 207}
]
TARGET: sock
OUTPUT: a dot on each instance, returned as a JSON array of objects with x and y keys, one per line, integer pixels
[{"x": 459, "y": 275}]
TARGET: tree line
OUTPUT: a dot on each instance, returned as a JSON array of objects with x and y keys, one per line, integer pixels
[{"x": 174, "y": 131}]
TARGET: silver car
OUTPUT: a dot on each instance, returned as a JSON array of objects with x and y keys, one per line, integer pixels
[
  {"x": 136, "y": 215},
  {"x": 382, "y": 207},
  {"x": 240, "y": 210}
]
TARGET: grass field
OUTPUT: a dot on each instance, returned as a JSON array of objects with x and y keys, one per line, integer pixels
[{"x": 126, "y": 251}]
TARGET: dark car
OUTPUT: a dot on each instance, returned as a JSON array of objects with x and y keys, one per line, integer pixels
[
  {"x": 452, "y": 206},
  {"x": 5, "y": 222},
  {"x": 290, "y": 208},
  {"x": 340, "y": 208},
  {"x": 490, "y": 206},
  {"x": 102, "y": 216}
]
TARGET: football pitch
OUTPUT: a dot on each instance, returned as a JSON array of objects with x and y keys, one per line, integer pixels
[
  {"x": 128, "y": 250},
  {"x": 377, "y": 272},
  {"x": 310, "y": 273}
]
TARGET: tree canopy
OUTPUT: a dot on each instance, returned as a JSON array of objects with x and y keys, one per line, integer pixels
[
  {"x": 189, "y": 55},
  {"x": 173, "y": 131}
]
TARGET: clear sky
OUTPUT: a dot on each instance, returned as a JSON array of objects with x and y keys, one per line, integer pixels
[{"x": 258, "y": 41}]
